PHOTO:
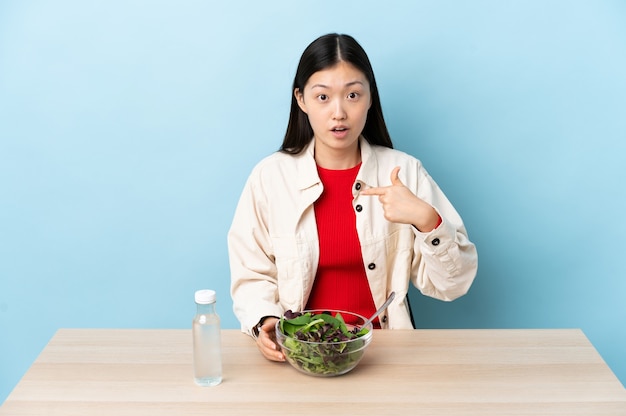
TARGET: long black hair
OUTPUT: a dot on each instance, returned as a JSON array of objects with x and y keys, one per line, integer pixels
[{"x": 323, "y": 53}]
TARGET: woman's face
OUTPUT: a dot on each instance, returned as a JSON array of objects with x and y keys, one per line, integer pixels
[{"x": 336, "y": 100}]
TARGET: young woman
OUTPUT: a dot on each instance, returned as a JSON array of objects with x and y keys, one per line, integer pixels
[{"x": 338, "y": 219}]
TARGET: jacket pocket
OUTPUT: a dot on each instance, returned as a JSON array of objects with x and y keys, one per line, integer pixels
[{"x": 290, "y": 270}]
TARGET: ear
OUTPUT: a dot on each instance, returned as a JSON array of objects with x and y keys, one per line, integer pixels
[{"x": 300, "y": 99}]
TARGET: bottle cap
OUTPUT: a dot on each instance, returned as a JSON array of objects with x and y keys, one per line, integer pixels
[{"x": 205, "y": 296}]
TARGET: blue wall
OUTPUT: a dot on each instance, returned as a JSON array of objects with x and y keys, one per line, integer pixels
[{"x": 127, "y": 130}]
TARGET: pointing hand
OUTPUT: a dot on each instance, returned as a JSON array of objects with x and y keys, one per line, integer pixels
[{"x": 400, "y": 205}]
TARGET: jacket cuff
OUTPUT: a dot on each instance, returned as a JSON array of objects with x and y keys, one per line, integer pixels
[{"x": 255, "y": 329}]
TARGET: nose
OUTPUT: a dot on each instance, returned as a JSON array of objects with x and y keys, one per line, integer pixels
[{"x": 338, "y": 111}]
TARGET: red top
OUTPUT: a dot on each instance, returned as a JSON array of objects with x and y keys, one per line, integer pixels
[{"x": 341, "y": 282}]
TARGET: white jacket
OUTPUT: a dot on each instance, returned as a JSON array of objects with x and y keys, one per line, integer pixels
[{"x": 273, "y": 243}]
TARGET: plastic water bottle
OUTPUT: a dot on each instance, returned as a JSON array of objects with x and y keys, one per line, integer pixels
[{"x": 207, "y": 352}]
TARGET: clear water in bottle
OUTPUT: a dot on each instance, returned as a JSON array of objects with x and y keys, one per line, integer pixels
[{"x": 207, "y": 356}]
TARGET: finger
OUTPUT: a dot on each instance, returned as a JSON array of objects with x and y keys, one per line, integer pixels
[
  {"x": 269, "y": 329},
  {"x": 373, "y": 191},
  {"x": 272, "y": 351},
  {"x": 266, "y": 340},
  {"x": 268, "y": 348},
  {"x": 395, "y": 180}
]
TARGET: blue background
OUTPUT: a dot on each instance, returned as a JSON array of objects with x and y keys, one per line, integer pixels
[{"x": 128, "y": 128}]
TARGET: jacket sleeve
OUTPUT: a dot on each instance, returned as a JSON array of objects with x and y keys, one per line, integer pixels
[
  {"x": 445, "y": 260},
  {"x": 254, "y": 287}
]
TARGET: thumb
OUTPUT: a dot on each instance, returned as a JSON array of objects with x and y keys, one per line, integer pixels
[{"x": 395, "y": 181}]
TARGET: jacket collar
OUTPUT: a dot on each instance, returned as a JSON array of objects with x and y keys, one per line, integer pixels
[
  {"x": 308, "y": 176},
  {"x": 368, "y": 174}
]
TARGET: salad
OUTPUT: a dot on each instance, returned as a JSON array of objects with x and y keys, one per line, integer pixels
[{"x": 320, "y": 343}]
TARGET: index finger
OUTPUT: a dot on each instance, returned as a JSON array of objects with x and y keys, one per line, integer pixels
[{"x": 373, "y": 191}]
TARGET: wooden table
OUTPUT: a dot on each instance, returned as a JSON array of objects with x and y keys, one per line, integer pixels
[{"x": 423, "y": 372}]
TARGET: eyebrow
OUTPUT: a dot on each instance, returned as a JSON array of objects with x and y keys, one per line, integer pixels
[{"x": 349, "y": 84}]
